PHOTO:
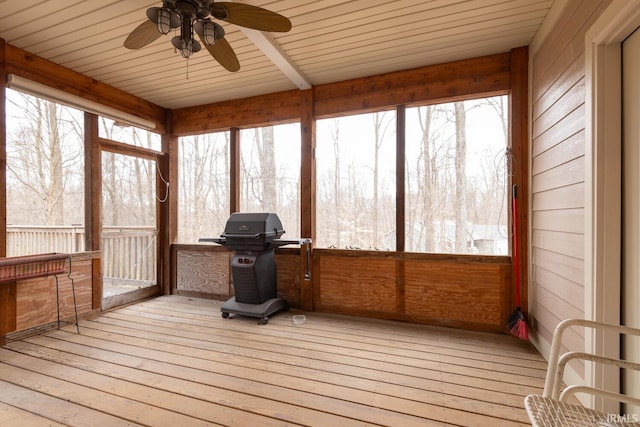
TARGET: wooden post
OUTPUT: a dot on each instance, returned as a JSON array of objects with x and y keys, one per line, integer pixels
[
  {"x": 167, "y": 205},
  {"x": 7, "y": 290},
  {"x": 401, "y": 112},
  {"x": 234, "y": 170},
  {"x": 3, "y": 150},
  {"x": 93, "y": 202},
  {"x": 307, "y": 165},
  {"x": 519, "y": 119},
  {"x": 307, "y": 192}
]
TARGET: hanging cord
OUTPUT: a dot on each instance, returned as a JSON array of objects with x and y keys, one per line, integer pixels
[
  {"x": 505, "y": 161},
  {"x": 166, "y": 183}
]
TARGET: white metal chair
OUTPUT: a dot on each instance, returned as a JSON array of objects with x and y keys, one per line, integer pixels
[{"x": 553, "y": 408}]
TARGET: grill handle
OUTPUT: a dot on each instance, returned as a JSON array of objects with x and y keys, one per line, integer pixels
[
  {"x": 246, "y": 236},
  {"x": 217, "y": 240}
]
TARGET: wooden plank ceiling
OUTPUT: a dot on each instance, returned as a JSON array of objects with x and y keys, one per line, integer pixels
[{"x": 331, "y": 40}]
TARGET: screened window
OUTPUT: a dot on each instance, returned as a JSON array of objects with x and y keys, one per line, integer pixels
[
  {"x": 270, "y": 173},
  {"x": 45, "y": 176},
  {"x": 203, "y": 189},
  {"x": 456, "y": 178},
  {"x": 356, "y": 182}
]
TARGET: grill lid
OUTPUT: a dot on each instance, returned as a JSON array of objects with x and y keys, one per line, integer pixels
[
  {"x": 256, "y": 225},
  {"x": 251, "y": 231}
]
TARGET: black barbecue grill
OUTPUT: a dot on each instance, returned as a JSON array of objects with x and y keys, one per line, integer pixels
[{"x": 253, "y": 237}]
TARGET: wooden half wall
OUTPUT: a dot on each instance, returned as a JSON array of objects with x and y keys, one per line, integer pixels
[
  {"x": 31, "y": 303},
  {"x": 204, "y": 271},
  {"x": 471, "y": 292}
]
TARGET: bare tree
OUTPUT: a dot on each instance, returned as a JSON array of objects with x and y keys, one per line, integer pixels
[
  {"x": 427, "y": 181},
  {"x": 111, "y": 203},
  {"x": 380, "y": 127},
  {"x": 267, "y": 158},
  {"x": 42, "y": 161},
  {"x": 204, "y": 184},
  {"x": 258, "y": 170},
  {"x": 461, "y": 178},
  {"x": 335, "y": 137}
]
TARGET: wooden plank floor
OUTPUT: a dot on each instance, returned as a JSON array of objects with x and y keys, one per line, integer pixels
[{"x": 173, "y": 361}]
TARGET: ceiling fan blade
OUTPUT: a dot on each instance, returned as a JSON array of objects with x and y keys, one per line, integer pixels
[
  {"x": 250, "y": 16},
  {"x": 224, "y": 54},
  {"x": 142, "y": 35}
]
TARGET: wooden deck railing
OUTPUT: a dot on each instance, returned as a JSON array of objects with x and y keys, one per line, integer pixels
[
  {"x": 33, "y": 239},
  {"x": 127, "y": 252}
]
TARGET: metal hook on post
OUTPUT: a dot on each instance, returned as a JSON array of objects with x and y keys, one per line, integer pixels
[{"x": 307, "y": 271}]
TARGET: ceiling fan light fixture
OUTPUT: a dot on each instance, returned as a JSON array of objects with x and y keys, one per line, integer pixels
[
  {"x": 184, "y": 46},
  {"x": 208, "y": 32},
  {"x": 187, "y": 47},
  {"x": 165, "y": 19}
]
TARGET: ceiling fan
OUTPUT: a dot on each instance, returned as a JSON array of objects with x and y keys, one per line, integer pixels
[{"x": 193, "y": 16}]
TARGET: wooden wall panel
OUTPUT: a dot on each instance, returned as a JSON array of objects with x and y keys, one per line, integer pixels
[
  {"x": 555, "y": 60},
  {"x": 571, "y": 148},
  {"x": 203, "y": 272},
  {"x": 449, "y": 290},
  {"x": 572, "y": 98},
  {"x": 356, "y": 283},
  {"x": 36, "y": 298},
  {"x": 558, "y": 172},
  {"x": 36, "y": 303},
  {"x": 288, "y": 269},
  {"x": 563, "y": 265},
  {"x": 559, "y": 84},
  {"x": 559, "y": 133},
  {"x": 570, "y": 244},
  {"x": 8, "y": 293},
  {"x": 470, "y": 293},
  {"x": 569, "y": 197},
  {"x": 568, "y": 173},
  {"x": 567, "y": 220}
]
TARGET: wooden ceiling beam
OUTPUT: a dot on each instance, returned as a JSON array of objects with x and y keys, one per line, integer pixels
[
  {"x": 270, "y": 47},
  {"x": 454, "y": 81}
]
